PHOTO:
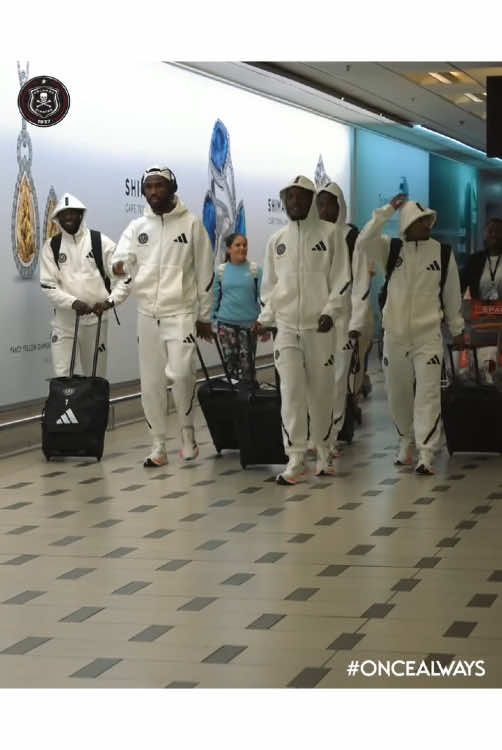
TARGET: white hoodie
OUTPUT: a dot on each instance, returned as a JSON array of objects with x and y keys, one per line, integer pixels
[
  {"x": 306, "y": 271},
  {"x": 357, "y": 303},
  {"x": 171, "y": 262},
  {"x": 412, "y": 313},
  {"x": 77, "y": 277}
]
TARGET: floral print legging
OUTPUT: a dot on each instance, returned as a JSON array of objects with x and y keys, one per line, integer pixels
[{"x": 235, "y": 344}]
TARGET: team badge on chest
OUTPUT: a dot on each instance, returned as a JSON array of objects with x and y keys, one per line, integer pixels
[{"x": 143, "y": 238}]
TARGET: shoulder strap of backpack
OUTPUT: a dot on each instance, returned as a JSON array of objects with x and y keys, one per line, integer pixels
[
  {"x": 351, "y": 239},
  {"x": 97, "y": 251},
  {"x": 445, "y": 262},
  {"x": 56, "y": 247},
  {"x": 395, "y": 248}
]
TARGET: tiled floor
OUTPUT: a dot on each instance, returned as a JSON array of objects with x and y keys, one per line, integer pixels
[{"x": 112, "y": 575}]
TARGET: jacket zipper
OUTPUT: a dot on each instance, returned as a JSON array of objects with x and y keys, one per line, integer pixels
[
  {"x": 156, "y": 310},
  {"x": 298, "y": 276}
]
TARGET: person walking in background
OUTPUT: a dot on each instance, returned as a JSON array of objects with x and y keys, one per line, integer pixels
[
  {"x": 168, "y": 253},
  {"x": 422, "y": 287},
  {"x": 237, "y": 306},
  {"x": 75, "y": 271}
]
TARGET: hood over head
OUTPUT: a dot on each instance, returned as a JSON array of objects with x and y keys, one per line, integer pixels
[
  {"x": 336, "y": 190},
  {"x": 68, "y": 200},
  {"x": 302, "y": 182},
  {"x": 410, "y": 212}
]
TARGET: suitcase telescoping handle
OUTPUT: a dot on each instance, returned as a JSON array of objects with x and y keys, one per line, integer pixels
[
  {"x": 203, "y": 364},
  {"x": 476, "y": 365},
  {"x": 74, "y": 347},
  {"x": 96, "y": 347},
  {"x": 355, "y": 366}
]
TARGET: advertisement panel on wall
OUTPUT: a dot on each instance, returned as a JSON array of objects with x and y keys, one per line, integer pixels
[
  {"x": 384, "y": 167},
  {"x": 124, "y": 117}
]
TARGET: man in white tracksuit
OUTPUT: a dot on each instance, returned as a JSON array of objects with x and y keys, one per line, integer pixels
[
  {"x": 75, "y": 286},
  {"x": 305, "y": 277},
  {"x": 412, "y": 315},
  {"x": 168, "y": 253},
  {"x": 350, "y": 323}
]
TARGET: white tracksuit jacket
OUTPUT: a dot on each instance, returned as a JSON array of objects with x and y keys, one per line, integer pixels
[
  {"x": 78, "y": 276},
  {"x": 412, "y": 315},
  {"x": 171, "y": 261},
  {"x": 306, "y": 274}
]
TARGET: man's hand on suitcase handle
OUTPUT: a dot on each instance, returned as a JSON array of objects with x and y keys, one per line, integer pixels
[
  {"x": 458, "y": 342},
  {"x": 325, "y": 324},
  {"x": 204, "y": 331},
  {"x": 82, "y": 308},
  {"x": 259, "y": 330},
  {"x": 100, "y": 307}
]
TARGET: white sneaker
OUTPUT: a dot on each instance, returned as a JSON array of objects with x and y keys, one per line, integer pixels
[
  {"x": 293, "y": 471},
  {"x": 189, "y": 447},
  {"x": 324, "y": 464},
  {"x": 403, "y": 457},
  {"x": 424, "y": 464},
  {"x": 158, "y": 456}
]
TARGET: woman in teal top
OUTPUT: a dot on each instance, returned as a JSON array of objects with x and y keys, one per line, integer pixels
[{"x": 237, "y": 306}]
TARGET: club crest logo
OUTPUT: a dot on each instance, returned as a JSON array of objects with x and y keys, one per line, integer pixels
[
  {"x": 399, "y": 261},
  {"x": 143, "y": 238},
  {"x": 62, "y": 258},
  {"x": 43, "y": 101},
  {"x": 281, "y": 249}
]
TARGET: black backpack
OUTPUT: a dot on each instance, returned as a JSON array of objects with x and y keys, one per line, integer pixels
[
  {"x": 351, "y": 240},
  {"x": 395, "y": 248}
]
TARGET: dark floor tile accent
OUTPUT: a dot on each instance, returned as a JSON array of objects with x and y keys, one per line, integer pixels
[
  {"x": 120, "y": 552},
  {"x": 24, "y": 646},
  {"x": 320, "y": 485},
  {"x": 100, "y": 499},
  {"x": 466, "y": 525},
  {"x": 237, "y": 579},
  {"x": 91, "y": 480},
  {"x": 242, "y": 527},
  {"x": 424, "y": 501},
  {"x": 327, "y": 521},
  {"x": 480, "y": 509},
  {"x": 372, "y": 493},
  {"x": 16, "y": 506},
  {"x": 151, "y": 633},
  {"x": 96, "y": 668},
  {"x": 22, "y": 529},
  {"x": 25, "y": 596},
  {"x": 428, "y": 562},
  {"x": 212, "y": 544},
  {"x": 145, "y": 445},
  {"x": 389, "y": 481},
  {"x": 456, "y": 476},
  {"x": 75, "y": 573},
  {"x": 300, "y": 538},
  {"x": 308, "y": 677},
  {"x": 108, "y": 456},
  {"x": 361, "y": 549},
  {"x": 142, "y": 508},
  {"x": 496, "y": 576},
  {"x": 384, "y": 531},
  {"x": 64, "y": 514},
  {"x": 440, "y": 488},
  {"x": 53, "y": 493},
  {"x": 346, "y": 641},
  {"x": 17, "y": 486},
  {"x": 132, "y": 487},
  {"x": 301, "y": 595},
  {"x": 82, "y": 614},
  {"x": 296, "y": 498},
  {"x": 495, "y": 496},
  {"x": 203, "y": 483},
  {"x": 460, "y": 629},
  {"x": 271, "y": 512},
  {"x": 405, "y": 514},
  {"x": 270, "y": 557},
  {"x": 470, "y": 466},
  {"x": 448, "y": 541},
  {"x": 20, "y": 559},
  {"x": 443, "y": 659},
  {"x": 224, "y": 654},
  {"x": 123, "y": 470},
  {"x": 87, "y": 463},
  {"x": 132, "y": 588},
  {"x": 229, "y": 472},
  {"x": 53, "y": 474},
  {"x": 158, "y": 534},
  {"x": 189, "y": 466},
  {"x": 200, "y": 602},
  {"x": 349, "y": 506},
  {"x": 378, "y": 610},
  {"x": 66, "y": 540},
  {"x": 194, "y": 517},
  {"x": 222, "y": 503},
  {"x": 342, "y": 474},
  {"x": 174, "y": 495},
  {"x": 378, "y": 455},
  {"x": 333, "y": 570},
  {"x": 250, "y": 490},
  {"x": 107, "y": 523},
  {"x": 160, "y": 477},
  {"x": 180, "y": 684},
  {"x": 173, "y": 565},
  {"x": 482, "y": 600},
  {"x": 406, "y": 584},
  {"x": 265, "y": 622}
]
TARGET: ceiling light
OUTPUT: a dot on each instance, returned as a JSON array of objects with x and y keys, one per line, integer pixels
[
  {"x": 473, "y": 97},
  {"x": 440, "y": 77}
]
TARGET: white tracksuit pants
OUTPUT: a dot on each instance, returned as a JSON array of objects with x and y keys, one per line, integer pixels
[
  {"x": 416, "y": 413},
  {"x": 305, "y": 361},
  {"x": 62, "y": 343},
  {"x": 167, "y": 357}
]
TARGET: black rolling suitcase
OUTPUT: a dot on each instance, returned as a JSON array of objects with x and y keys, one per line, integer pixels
[
  {"x": 216, "y": 399},
  {"x": 352, "y": 411},
  {"x": 472, "y": 414},
  {"x": 75, "y": 415}
]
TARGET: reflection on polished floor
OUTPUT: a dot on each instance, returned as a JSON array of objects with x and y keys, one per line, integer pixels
[{"x": 203, "y": 575}]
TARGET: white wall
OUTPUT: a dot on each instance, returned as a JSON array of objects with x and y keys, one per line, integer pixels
[{"x": 124, "y": 117}]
